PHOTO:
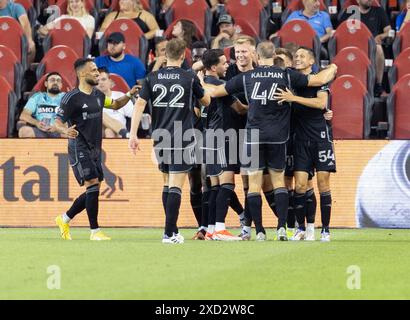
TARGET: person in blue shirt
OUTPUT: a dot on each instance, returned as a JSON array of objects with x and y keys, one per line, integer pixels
[
  {"x": 16, "y": 11},
  {"x": 127, "y": 66},
  {"x": 38, "y": 116},
  {"x": 319, "y": 20},
  {"x": 403, "y": 17}
]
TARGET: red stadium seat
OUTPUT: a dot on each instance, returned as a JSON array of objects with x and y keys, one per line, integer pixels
[
  {"x": 398, "y": 111},
  {"x": 12, "y": 36},
  {"x": 301, "y": 33},
  {"x": 11, "y": 69},
  {"x": 296, "y": 5},
  {"x": 402, "y": 40},
  {"x": 71, "y": 34},
  {"x": 31, "y": 11},
  {"x": 252, "y": 11},
  {"x": 119, "y": 83},
  {"x": 400, "y": 68},
  {"x": 8, "y": 101},
  {"x": 135, "y": 40},
  {"x": 352, "y": 33},
  {"x": 196, "y": 11},
  {"x": 351, "y": 105},
  {"x": 39, "y": 86},
  {"x": 246, "y": 27},
  {"x": 59, "y": 59},
  {"x": 352, "y": 61},
  {"x": 227, "y": 52}
]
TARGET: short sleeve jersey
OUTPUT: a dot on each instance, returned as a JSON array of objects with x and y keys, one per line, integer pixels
[
  {"x": 310, "y": 124},
  {"x": 171, "y": 91},
  {"x": 85, "y": 111},
  {"x": 219, "y": 111},
  {"x": 43, "y": 107},
  {"x": 266, "y": 114}
]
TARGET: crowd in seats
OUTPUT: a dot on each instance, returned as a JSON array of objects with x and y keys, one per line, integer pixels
[{"x": 128, "y": 38}]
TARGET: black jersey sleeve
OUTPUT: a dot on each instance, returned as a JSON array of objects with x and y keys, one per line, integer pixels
[
  {"x": 235, "y": 85},
  {"x": 64, "y": 111},
  {"x": 197, "y": 89},
  {"x": 145, "y": 92},
  {"x": 297, "y": 79}
]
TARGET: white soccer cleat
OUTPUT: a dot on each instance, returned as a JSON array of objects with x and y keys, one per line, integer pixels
[
  {"x": 281, "y": 234},
  {"x": 325, "y": 237},
  {"x": 310, "y": 232},
  {"x": 261, "y": 236},
  {"x": 225, "y": 235},
  {"x": 172, "y": 240},
  {"x": 179, "y": 236},
  {"x": 299, "y": 235}
]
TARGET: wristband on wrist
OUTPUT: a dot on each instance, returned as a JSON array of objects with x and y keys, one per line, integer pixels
[{"x": 128, "y": 94}]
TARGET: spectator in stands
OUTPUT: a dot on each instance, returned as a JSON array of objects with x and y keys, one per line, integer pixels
[
  {"x": 160, "y": 60},
  {"x": 16, "y": 11},
  {"x": 286, "y": 57},
  {"x": 114, "y": 121},
  {"x": 319, "y": 20},
  {"x": 403, "y": 17},
  {"x": 127, "y": 66},
  {"x": 185, "y": 30},
  {"x": 38, "y": 116},
  {"x": 375, "y": 18},
  {"x": 227, "y": 34},
  {"x": 76, "y": 10},
  {"x": 133, "y": 9}
]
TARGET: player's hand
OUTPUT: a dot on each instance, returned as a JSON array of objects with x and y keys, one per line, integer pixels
[
  {"x": 134, "y": 144},
  {"x": 284, "y": 95},
  {"x": 135, "y": 89},
  {"x": 71, "y": 133},
  {"x": 197, "y": 66},
  {"x": 328, "y": 115},
  {"x": 201, "y": 76}
]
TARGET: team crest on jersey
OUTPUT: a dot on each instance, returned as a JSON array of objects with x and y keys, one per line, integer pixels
[{"x": 84, "y": 106}]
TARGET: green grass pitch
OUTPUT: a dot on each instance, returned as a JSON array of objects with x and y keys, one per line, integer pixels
[{"x": 136, "y": 265}]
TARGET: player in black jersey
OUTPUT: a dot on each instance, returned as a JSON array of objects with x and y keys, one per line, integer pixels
[
  {"x": 221, "y": 165},
  {"x": 171, "y": 91},
  {"x": 268, "y": 126},
  {"x": 82, "y": 110},
  {"x": 313, "y": 146}
]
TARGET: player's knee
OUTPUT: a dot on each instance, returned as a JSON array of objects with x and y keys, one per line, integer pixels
[
  {"x": 301, "y": 186},
  {"x": 109, "y": 133},
  {"x": 323, "y": 184},
  {"x": 26, "y": 132}
]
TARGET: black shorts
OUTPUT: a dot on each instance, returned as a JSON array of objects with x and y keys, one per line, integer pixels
[
  {"x": 311, "y": 155},
  {"x": 175, "y": 161},
  {"x": 290, "y": 163},
  {"x": 86, "y": 164},
  {"x": 264, "y": 156}
]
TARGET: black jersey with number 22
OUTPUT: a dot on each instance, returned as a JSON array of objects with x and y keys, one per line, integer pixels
[{"x": 171, "y": 91}]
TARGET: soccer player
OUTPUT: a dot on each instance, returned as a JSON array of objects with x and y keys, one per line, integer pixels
[
  {"x": 82, "y": 110},
  {"x": 313, "y": 146},
  {"x": 171, "y": 91},
  {"x": 271, "y": 121},
  {"x": 217, "y": 159}
]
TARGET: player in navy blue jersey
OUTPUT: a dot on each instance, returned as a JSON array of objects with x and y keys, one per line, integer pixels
[
  {"x": 267, "y": 127},
  {"x": 313, "y": 147},
  {"x": 171, "y": 91},
  {"x": 82, "y": 110},
  {"x": 221, "y": 165}
]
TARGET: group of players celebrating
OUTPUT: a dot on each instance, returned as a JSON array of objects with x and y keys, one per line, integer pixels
[{"x": 280, "y": 120}]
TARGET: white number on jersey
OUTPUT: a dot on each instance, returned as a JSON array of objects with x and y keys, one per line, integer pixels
[
  {"x": 174, "y": 102},
  {"x": 264, "y": 97}
]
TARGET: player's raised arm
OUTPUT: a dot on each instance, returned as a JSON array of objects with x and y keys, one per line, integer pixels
[
  {"x": 323, "y": 77},
  {"x": 122, "y": 101},
  {"x": 320, "y": 102},
  {"x": 135, "y": 122}
]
